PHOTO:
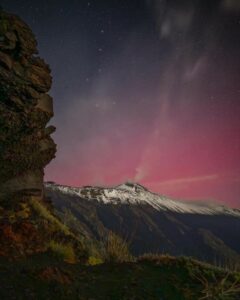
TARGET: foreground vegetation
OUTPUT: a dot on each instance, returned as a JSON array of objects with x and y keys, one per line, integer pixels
[
  {"x": 41, "y": 258},
  {"x": 163, "y": 277}
]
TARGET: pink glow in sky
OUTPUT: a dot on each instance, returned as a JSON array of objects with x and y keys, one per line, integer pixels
[
  {"x": 184, "y": 151},
  {"x": 158, "y": 105}
]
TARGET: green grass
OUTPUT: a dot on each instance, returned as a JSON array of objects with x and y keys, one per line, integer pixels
[
  {"x": 62, "y": 251},
  {"x": 43, "y": 212}
]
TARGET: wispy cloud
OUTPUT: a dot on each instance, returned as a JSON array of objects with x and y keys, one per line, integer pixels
[
  {"x": 187, "y": 180},
  {"x": 179, "y": 183}
]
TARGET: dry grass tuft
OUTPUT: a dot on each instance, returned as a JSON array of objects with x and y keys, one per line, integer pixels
[
  {"x": 116, "y": 249},
  {"x": 219, "y": 289}
]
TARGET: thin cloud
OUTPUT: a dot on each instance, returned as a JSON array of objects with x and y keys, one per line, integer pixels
[
  {"x": 180, "y": 182},
  {"x": 186, "y": 180}
]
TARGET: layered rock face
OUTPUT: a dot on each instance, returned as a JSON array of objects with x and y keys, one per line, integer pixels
[{"x": 25, "y": 109}]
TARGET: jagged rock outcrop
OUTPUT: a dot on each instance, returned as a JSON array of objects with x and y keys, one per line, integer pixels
[
  {"x": 25, "y": 109},
  {"x": 28, "y": 224}
]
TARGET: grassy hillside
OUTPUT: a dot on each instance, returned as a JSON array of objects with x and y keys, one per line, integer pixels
[{"x": 29, "y": 226}]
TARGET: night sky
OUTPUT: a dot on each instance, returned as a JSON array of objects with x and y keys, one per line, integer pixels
[{"x": 146, "y": 91}]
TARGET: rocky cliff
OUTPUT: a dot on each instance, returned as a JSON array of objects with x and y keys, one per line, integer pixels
[
  {"x": 25, "y": 109},
  {"x": 28, "y": 224}
]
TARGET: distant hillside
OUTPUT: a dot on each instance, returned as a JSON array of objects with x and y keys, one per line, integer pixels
[{"x": 150, "y": 222}]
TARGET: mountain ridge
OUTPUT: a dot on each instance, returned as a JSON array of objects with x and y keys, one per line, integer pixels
[
  {"x": 134, "y": 193},
  {"x": 152, "y": 223}
]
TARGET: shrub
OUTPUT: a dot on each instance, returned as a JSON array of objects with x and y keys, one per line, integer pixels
[
  {"x": 116, "y": 249},
  {"x": 62, "y": 251}
]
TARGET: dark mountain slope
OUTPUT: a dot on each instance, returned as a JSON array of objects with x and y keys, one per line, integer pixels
[{"x": 156, "y": 224}]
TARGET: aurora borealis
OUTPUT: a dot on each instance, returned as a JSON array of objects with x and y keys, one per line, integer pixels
[{"x": 146, "y": 91}]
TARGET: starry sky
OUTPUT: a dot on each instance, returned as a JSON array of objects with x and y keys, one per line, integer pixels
[{"x": 145, "y": 91}]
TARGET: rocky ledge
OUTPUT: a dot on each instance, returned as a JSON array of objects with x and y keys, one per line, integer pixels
[{"x": 25, "y": 109}]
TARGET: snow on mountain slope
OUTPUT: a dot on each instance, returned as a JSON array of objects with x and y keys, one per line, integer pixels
[{"x": 135, "y": 194}]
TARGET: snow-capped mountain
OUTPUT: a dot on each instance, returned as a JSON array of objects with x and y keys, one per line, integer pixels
[
  {"x": 136, "y": 194},
  {"x": 151, "y": 222}
]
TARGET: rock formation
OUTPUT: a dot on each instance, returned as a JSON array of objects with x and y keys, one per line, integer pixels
[
  {"x": 25, "y": 109},
  {"x": 28, "y": 224}
]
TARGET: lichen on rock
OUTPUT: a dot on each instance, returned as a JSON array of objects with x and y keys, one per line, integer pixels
[{"x": 25, "y": 109}]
